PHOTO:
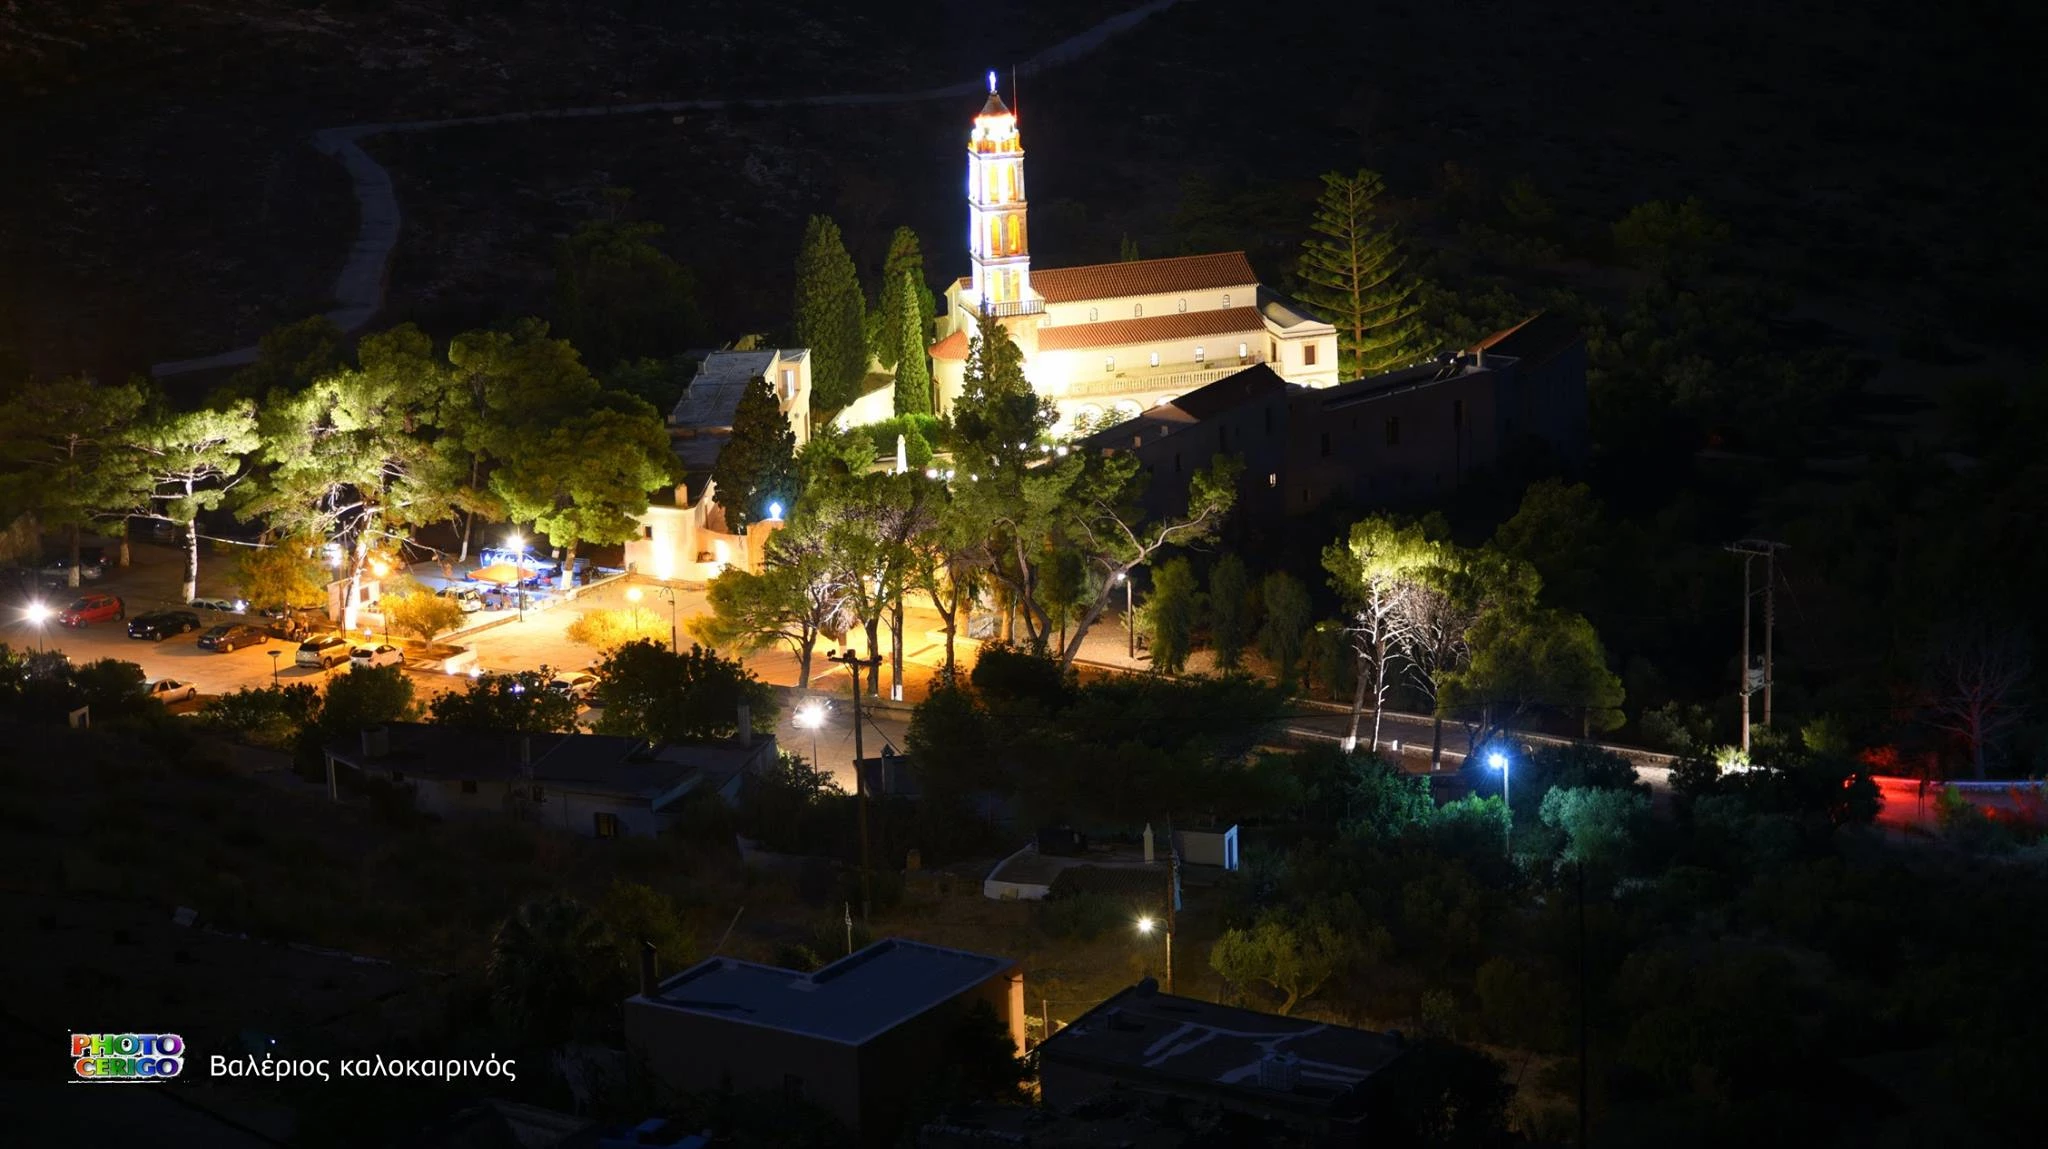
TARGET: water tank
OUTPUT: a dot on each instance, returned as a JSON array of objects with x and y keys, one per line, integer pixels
[{"x": 1279, "y": 1072}]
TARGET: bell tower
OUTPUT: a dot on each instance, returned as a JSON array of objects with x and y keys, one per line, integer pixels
[{"x": 996, "y": 239}]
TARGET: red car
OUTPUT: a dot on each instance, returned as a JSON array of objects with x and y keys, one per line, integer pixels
[{"x": 93, "y": 608}]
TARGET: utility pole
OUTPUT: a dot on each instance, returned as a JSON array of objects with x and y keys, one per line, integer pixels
[
  {"x": 1750, "y": 549},
  {"x": 855, "y": 664}
]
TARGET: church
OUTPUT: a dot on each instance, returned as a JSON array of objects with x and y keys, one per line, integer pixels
[{"x": 1108, "y": 341}]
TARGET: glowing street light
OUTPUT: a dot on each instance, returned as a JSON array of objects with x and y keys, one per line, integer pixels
[
  {"x": 1130, "y": 617},
  {"x": 1499, "y": 761},
  {"x": 811, "y": 716},
  {"x": 1145, "y": 927},
  {"x": 634, "y": 594},
  {"x": 38, "y": 614},
  {"x": 775, "y": 511}
]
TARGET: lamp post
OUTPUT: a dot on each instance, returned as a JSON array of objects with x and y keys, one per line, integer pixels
[
  {"x": 1499, "y": 761},
  {"x": 38, "y": 614},
  {"x": 1130, "y": 618},
  {"x": 274, "y": 656},
  {"x": 810, "y": 716},
  {"x": 518, "y": 543},
  {"x": 854, "y": 664},
  {"x": 1146, "y": 926},
  {"x": 634, "y": 594}
]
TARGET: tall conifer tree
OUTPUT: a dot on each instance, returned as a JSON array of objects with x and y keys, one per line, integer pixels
[
  {"x": 831, "y": 317},
  {"x": 1353, "y": 273},
  {"x": 903, "y": 289},
  {"x": 758, "y": 465},
  {"x": 913, "y": 369}
]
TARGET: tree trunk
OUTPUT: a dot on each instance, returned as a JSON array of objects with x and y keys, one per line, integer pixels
[
  {"x": 896, "y": 650},
  {"x": 569, "y": 565},
  {"x": 803, "y": 662},
  {"x": 1357, "y": 706},
  {"x": 1379, "y": 690},
  {"x": 71, "y": 575},
  {"x": 873, "y": 626},
  {"x": 126, "y": 558},
  {"x": 359, "y": 557},
  {"x": 191, "y": 559},
  {"x": 1436, "y": 743},
  {"x": 468, "y": 523}
]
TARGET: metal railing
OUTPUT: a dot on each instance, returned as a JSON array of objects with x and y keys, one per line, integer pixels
[
  {"x": 1013, "y": 307},
  {"x": 1143, "y": 381}
]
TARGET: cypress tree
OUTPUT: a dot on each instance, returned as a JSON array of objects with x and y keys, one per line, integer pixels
[
  {"x": 831, "y": 317},
  {"x": 903, "y": 289},
  {"x": 913, "y": 369},
  {"x": 758, "y": 464},
  {"x": 1351, "y": 271}
]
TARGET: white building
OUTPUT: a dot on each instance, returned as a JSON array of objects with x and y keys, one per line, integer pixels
[
  {"x": 689, "y": 539},
  {"x": 1106, "y": 341}
]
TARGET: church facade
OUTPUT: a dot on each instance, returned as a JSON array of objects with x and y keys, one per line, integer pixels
[{"x": 1108, "y": 341}]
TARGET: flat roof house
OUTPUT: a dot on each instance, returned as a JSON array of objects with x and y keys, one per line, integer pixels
[
  {"x": 1309, "y": 1075},
  {"x": 596, "y": 785},
  {"x": 856, "y": 1037}
]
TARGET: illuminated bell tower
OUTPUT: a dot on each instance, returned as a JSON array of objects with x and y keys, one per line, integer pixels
[{"x": 995, "y": 210}]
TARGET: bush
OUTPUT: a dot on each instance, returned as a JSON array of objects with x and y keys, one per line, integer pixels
[
  {"x": 607, "y": 630},
  {"x": 1083, "y": 917}
]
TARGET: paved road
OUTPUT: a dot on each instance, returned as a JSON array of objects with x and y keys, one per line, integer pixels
[{"x": 359, "y": 290}]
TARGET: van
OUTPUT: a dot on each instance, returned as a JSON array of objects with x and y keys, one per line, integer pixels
[{"x": 322, "y": 652}]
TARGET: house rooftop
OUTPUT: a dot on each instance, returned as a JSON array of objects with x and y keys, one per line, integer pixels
[
  {"x": 589, "y": 763},
  {"x": 1151, "y": 329},
  {"x": 723, "y": 376},
  {"x": 1143, "y": 277},
  {"x": 1180, "y": 1044},
  {"x": 851, "y": 1001}
]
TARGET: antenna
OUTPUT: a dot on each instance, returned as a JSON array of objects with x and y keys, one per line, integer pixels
[{"x": 1014, "y": 105}]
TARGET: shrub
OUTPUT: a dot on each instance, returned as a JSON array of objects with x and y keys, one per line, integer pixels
[{"x": 1084, "y": 917}]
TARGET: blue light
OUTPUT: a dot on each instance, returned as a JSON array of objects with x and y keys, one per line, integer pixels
[
  {"x": 774, "y": 510},
  {"x": 1497, "y": 760}
]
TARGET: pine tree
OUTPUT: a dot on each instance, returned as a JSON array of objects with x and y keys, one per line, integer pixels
[
  {"x": 1352, "y": 273},
  {"x": 913, "y": 368},
  {"x": 831, "y": 317},
  {"x": 903, "y": 289},
  {"x": 758, "y": 464}
]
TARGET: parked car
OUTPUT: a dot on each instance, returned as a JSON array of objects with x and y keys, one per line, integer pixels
[
  {"x": 158, "y": 625},
  {"x": 93, "y": 608},
  {"x": 465, "y": 597},
  {"x": 223, "y": 605},
  {"x": 574, "y": 683},
  {"x": 322, "y": 652},
  {"x": 375, "y": 656},
  {"x": 232, "y": 636},
  {"x": 168, "y": 690}
]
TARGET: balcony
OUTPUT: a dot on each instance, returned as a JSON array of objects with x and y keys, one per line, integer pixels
[
  {"x": 1150, "y": 379},
  {"x": 1013, "y": 307}
]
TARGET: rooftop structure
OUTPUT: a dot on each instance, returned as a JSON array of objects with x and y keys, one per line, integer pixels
[
  {"x": 851, "y": 1001},
  {"x": 1308, "y": 1073}
]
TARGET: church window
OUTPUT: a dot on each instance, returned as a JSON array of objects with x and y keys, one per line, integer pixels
[
  {"x": 1226, "y": 299},
  {"x": 1013, "y": 236},
  {"x": 1155, "y": 359},
  {"x": 1201, "y": 356},
  {"x": 1109, "y": 363},
  {"x": 1244, "y": 351},
  {"x": 1393, "y": 432},
  {"x": 1308, "y": 355},
  {"x": 1137, "y": 311},
  {"x": 1183, "y": 305},
  {"x": 1093, "y": 315}
]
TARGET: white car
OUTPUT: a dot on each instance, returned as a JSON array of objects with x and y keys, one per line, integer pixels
[
  {"x": 375, "y": 656},
  {"x": 465, "y": 597},
  {"x": 169, "y": 690},
  {"x": 224, "y": 605},
  {"x": 574, "y": 683}
]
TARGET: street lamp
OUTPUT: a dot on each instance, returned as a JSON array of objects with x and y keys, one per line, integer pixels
[
  {"x": 518, "y": 544},
  {"x": 274, "y": 656},
  {"x": 1499, "y": 761},
  {"x": 775, "y": 511},
  {"x": 1145, "y": 926},
  {"x": 38, "y": 613},
  {"x": 810, "y": 716},
  {"x": 634, "y": 594},
  {"x": 1130, "y": 617}
]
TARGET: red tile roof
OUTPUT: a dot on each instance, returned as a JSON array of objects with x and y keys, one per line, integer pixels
[
  {"x": 1158, "y": 328},
  {"x": 1143, "y": 277},
  {"x": 953, "y": 346}
]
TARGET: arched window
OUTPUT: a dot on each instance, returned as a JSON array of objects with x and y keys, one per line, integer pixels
[
  {"x": 1155, "y": 359},
  {"x": 1013, "y": 236},
  {"x": 1137, "y": 311},
  {"x": 1183, "y": 305},
  {"x": 1108, "y": 363},
  {"x": 1244, "y": 351},
  {"x": 1200, "y": 355},
  {"x": 1093, "y": 315},
  {"x": 1226, "y": 299}
]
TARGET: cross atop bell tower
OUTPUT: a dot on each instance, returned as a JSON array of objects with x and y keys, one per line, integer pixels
[{"x": 996, "y": 239}]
